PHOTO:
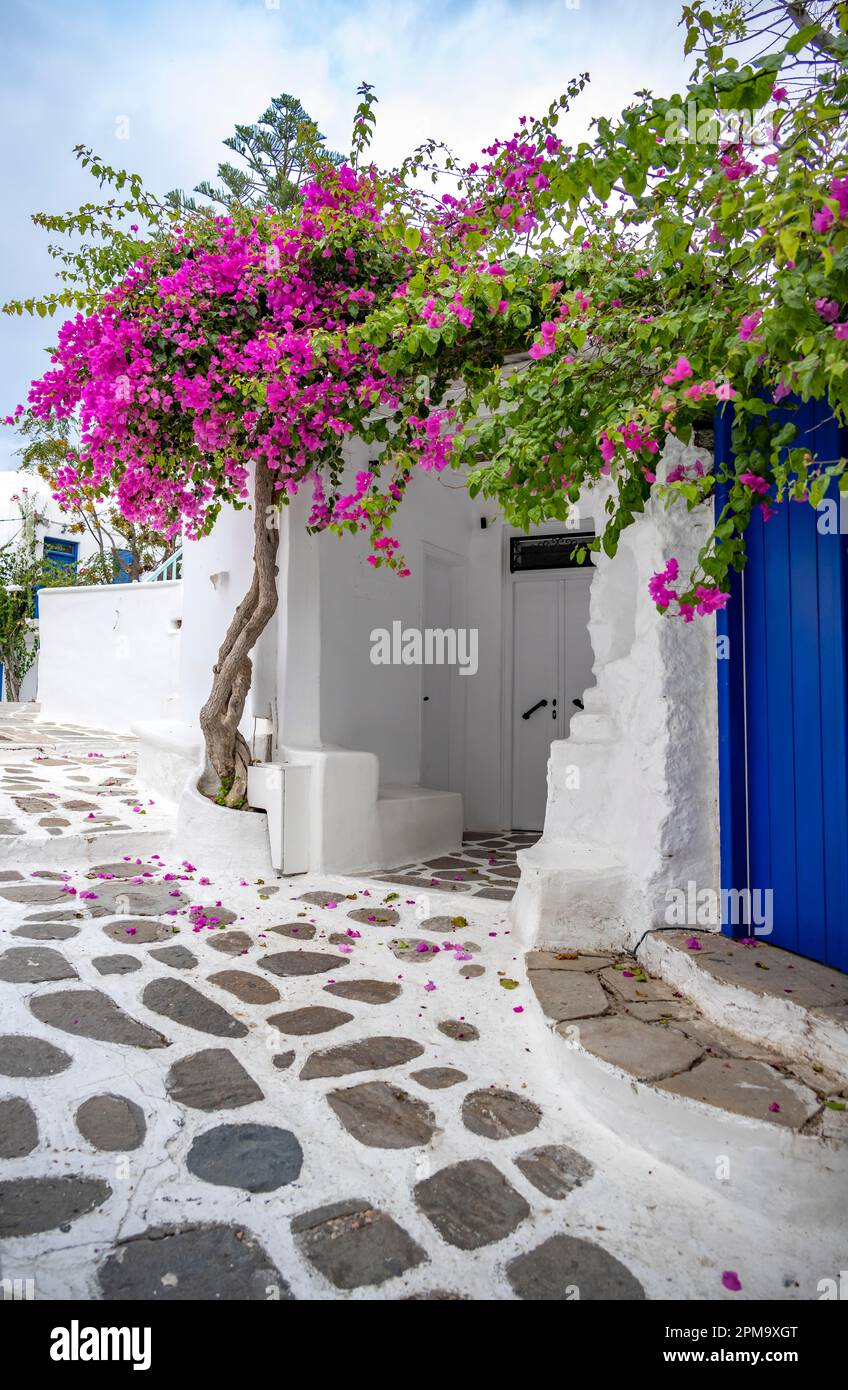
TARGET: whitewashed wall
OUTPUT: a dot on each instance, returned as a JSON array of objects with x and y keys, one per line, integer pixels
[
  {"x": 633, "y": 792},
  {"x": 379, "y": 707},
  {"x": 110, "y": 654}
]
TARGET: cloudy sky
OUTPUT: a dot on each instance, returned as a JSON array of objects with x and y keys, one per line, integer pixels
[{"x": 155, "y": 85}]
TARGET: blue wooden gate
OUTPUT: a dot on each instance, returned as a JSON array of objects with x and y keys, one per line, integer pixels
[{"x": 783, "y": 713}]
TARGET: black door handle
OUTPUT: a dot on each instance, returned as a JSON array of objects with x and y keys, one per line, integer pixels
[
  {"x": 540, "y": 704},
  {"x": 578, "y": 703}
]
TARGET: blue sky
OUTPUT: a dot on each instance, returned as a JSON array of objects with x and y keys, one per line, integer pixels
[{"x": 176, "y": 75}]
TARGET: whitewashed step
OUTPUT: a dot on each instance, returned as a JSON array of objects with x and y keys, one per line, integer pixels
[
  {"x": 764, "y": 994},
  {"x": 417, "y": 823},
  {"x": 649, "y": 1065},
  {"x": 570, "y": 891}
]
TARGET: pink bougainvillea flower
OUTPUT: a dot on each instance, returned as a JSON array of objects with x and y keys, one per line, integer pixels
[
  {"x": 693, "y": 944},
  {"x": 725, "y": 392},
  {"x": 754, "y": 482},
  {"x": 749, "y": 325},
  {"x": 840, "y": 330},
  {"x": 518, "y": 1009},
  {"x": 658, "y": 584},
  {"x": 710, "y": 599},
  {"x": 839, "y": 190},
  {"x": 681, "y": 371},
  {"x": 736, "y": 168},
  {"x": 779, "y": 94},
  {"x": 730, "y": 1279},
  {"x": 828, "y": 309},
  {"x": 823, "y": 220},
  {"x": 429, "y": 986},
  {"x": 547, "y": 345},
  {"x": 774, "y": 1108},
  {"x": 606, "y": 447}
]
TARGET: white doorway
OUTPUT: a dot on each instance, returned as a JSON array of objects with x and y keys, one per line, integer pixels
[
  {"x": 551, "y": 669},
  {"x": 442, "y": 695}
]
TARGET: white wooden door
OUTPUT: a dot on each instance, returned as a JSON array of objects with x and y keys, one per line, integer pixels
[
  {"x": 536, "y": 695},
  {"x": 436, "y": 681},
  {"x": 552, "y": 668},
  {"x": 578, "y": 655}
]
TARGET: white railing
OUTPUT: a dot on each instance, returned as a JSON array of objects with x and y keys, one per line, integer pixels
[{"x": 170, "y": 568}]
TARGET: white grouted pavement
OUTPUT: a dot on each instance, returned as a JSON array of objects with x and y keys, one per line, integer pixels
[{"x": 219, "y": 1089}]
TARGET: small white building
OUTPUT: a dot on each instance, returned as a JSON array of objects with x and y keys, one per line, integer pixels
[{"x": 53, "y": 533}]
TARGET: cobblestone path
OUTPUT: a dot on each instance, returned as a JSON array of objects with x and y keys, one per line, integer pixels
[{"x": 227, "y": 1090}]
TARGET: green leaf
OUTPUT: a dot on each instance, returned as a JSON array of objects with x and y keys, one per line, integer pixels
[{"x": 802, "y": 38}]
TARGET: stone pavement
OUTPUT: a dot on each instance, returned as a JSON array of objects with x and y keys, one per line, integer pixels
[
  {"x": 58, "y": 781},
  {"x": 217, "y": 1089},
  {"x": 646, "y": 1027},
  {"x": 485, "y": 866}
]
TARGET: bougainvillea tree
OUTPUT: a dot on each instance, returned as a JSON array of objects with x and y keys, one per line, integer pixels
[
  {"x": 224, "y": 368},
  {"x": 690, "y": 255}
]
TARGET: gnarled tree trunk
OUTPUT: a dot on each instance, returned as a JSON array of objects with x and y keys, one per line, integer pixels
[
  {"x": 226, "y": 749},
  {"x": 13, "y": 685}
]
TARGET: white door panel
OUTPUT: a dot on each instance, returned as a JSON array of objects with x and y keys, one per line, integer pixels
[
  {"x": 436, "y": 681},
  {"x": 578, "y": 656},
  {"x": 537, "y": 606},
  {"x": 552, "y": 662}
]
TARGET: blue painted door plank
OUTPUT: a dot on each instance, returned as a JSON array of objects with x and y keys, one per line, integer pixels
[
  {"x": 783, "y": 731},
  {"x": 731, "y": 708}
]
